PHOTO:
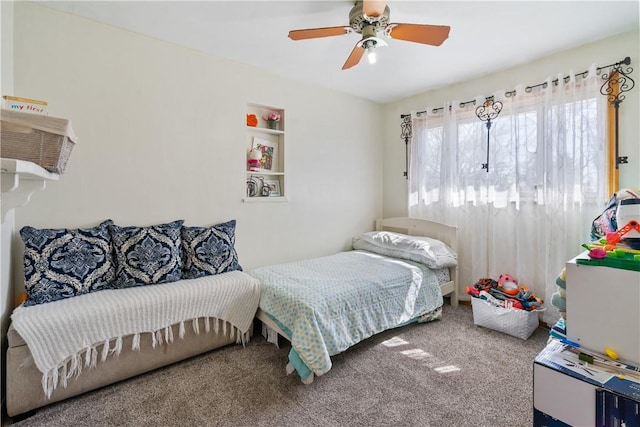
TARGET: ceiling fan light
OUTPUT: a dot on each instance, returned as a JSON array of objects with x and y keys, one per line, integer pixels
[{"x": 371, "y": 55}]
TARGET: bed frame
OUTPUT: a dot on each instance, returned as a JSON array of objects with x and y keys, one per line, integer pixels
[{"x": 412, "y": 227}]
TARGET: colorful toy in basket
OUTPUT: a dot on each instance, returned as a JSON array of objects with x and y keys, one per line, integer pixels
[
  {"x": 508, "y": 284},
  {"x": 503, "y": 290}
]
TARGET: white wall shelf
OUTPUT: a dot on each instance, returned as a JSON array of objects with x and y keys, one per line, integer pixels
[
  {"x": 264, "y": 199},
  {"x": 20, "y": 179},
  {"x": 265, "y": 130},
  {"x": 275, "y": 172}
]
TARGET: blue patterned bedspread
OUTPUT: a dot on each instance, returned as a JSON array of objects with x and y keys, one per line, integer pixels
[{"x": 328, "y": 304}]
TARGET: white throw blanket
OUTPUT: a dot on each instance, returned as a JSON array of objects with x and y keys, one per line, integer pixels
[{"x": 62, "y": 333}]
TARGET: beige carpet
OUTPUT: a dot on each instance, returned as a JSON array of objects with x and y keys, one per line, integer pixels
[{"x": 444, "y": 373}]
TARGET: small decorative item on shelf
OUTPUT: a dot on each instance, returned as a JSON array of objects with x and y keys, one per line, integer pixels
[
  {"x": 252, "y": 120},
  {"x": 252, "y": 186},
  {"x": 253, "y": 162},
  {"x": 272, "y": 119},
  {"x": 25, "y": 105},
  {"x": 274, "y": 187},
  {"x": 269, "y": 150}
]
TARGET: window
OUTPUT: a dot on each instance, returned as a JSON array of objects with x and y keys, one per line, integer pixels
[
  {"x": 533, "y": 145},
  {"x": 547, "y": 180}
]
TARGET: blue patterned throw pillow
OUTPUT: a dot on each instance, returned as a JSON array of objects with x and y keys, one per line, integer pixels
[
  {"x": 209, "y": 250},
  {"x": 147, "y": 255},
  {"x": 62, "y": 263}
]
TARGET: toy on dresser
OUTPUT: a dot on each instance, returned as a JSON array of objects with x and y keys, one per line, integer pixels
[
  {"x": 611, "y": 252},
  {"x": 607, "y": 221},
  {"x": 615, "y": 233},
  {"x": 628, "y": 213}
]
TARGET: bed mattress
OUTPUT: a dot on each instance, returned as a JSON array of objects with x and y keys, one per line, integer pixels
[{"x": 328, "y": 304}]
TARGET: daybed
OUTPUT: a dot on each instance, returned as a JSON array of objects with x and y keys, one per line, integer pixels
[
  {"x": 393, "y": 277},
  {"x": 82, "y": 340}
]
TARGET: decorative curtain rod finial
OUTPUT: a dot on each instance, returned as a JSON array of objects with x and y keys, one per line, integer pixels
[
  {"x": 406, "y": 132},
  {"x": 616, "y": 82},
  {"x": 486, "y": 112}
]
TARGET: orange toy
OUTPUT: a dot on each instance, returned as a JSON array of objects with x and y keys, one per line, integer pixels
[
  {"x": 252, "y": 120},
  {"x": 613, "y": 238}
]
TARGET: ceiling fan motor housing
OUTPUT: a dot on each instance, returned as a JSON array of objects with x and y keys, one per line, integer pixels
[
  {"x": 358, "y": 20},
  {"x": 368, "y": 31}
]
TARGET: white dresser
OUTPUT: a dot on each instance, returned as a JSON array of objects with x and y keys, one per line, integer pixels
[
  {"x": 603, "y": 308},
  {"x": 603, "y": 311}
]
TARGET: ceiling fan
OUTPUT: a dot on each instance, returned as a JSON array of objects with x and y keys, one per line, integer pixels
[{"x": 369, "y": 17}]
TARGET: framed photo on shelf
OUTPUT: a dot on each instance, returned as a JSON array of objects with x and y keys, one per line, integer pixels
[
  {"x": 273, "y": 186},
  {"x": 269, "y": 149}
]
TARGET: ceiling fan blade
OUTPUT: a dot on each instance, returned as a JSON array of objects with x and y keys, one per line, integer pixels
[
  {"x": 434, "y": 35},
  {"x": 354, "y": 57},
  {"x": 373, "y": 8},
  {"x": 313, "y": 33}
]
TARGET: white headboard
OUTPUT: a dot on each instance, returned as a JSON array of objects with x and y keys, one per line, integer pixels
[{"x": 422, "y": 227}]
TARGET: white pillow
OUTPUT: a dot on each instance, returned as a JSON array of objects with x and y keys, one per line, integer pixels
[{"x": 431, "y": 252}]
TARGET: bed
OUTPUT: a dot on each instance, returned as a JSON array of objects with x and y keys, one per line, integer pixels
[{"x": 325, "y": 305}]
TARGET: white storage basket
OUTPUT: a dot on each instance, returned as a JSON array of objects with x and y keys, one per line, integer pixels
[
  {"x": 512, "y": 321},
  {"x": 44, "y": 140}
]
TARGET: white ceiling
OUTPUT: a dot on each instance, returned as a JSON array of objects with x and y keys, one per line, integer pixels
[{"x": 485, "y": 36}]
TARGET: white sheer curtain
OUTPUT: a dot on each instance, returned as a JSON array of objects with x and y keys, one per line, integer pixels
[{"x": 546, "y": 182}]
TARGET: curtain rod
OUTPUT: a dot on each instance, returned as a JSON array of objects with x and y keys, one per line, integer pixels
[{"x": 625, "y": 61}]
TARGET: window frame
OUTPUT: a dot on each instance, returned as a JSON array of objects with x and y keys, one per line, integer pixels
[{"x": 613, "y": 174}]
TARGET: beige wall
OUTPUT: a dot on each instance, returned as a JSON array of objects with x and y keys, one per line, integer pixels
[
  {"x": 7, "y": 226},
  {"x": 577, "y": 60},
  {"x": 162, "y": 136}
]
